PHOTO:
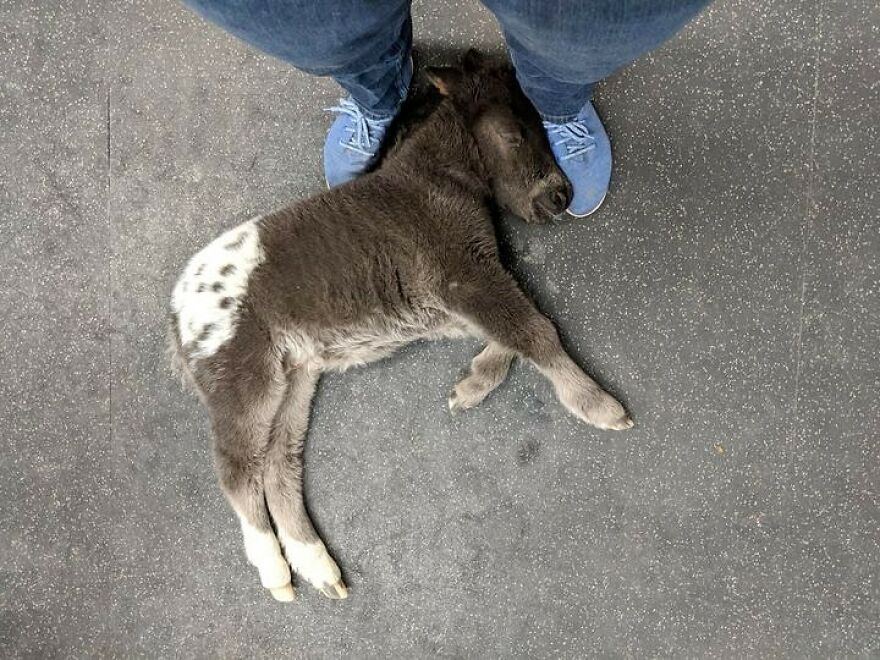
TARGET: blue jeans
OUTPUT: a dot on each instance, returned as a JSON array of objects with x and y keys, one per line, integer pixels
[{"x": 560, "y": 48}]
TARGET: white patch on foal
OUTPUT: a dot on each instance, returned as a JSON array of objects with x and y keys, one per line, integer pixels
[
  {"x": 312, "y": 561},
  {"x": 263, "y": 551},
  {"x": 208, "y": 295}
]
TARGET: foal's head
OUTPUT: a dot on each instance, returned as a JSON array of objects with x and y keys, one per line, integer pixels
[{"x": 523, "y": 174}]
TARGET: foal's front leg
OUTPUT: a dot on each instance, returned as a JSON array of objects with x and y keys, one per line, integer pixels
[
  {"x": 489, "y": 298},
  {"x": 488, "y": 370}
]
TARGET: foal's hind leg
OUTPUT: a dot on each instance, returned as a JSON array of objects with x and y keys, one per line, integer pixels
[
  {"x": 242, "y": 411},
  {"x": 283, "y": 478},
  {"x": 488, "y": 370}
]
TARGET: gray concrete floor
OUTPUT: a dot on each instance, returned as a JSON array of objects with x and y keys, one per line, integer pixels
[{"x": 728, "y": 291}]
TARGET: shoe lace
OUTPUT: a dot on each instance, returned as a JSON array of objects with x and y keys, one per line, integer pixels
[
  {"x": 573, "y": 135},
  {"x": 365, "y": 132}
]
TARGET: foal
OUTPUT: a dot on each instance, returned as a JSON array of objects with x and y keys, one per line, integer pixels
[{"x": 345, "y": 277}]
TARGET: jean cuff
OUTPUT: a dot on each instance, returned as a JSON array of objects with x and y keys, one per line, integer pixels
[
  {"x": 402, "y": 80},
  {"x": 558, "y": 119}
]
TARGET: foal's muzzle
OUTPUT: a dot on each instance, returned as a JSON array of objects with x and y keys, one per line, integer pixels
[{"x": 550, "y": 197}]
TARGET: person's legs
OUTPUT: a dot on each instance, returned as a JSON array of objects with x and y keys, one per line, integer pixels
[
  {"x": 561, "y": 49},
  {"x": 365, "y": 47}
]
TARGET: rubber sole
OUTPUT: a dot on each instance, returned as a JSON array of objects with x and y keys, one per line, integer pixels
[{"x": 590, "y": 212}]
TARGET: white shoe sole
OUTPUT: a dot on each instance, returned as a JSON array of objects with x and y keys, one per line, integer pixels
[{"x": 590, "y": 212}]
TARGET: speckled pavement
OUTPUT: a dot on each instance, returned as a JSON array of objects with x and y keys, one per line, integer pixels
[{"x": 728, "y": 291}]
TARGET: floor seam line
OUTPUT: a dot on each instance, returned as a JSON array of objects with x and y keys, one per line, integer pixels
[
  {"x": 806, "y": 230},
  {"x": 109, "y": 270}
]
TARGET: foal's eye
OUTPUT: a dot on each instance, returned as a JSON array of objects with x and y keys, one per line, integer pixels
[
  {"x": 503, "y": 130},
  {"x": 512, "y": 137}
]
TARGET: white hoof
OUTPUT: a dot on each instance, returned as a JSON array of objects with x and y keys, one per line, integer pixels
[
  {"x": 311, "y": 561},
  {"x": 283, "y": 594},
  {"x": 336, "y": 591}
]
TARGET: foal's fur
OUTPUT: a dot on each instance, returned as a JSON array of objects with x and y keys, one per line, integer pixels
[{"x": 345, "y": 277}]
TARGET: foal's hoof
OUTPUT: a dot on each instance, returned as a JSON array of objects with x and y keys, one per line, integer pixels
[
  {"x": 468, "y": 394},
  {"x": 283, "y": 594},
  {"x": 619, "y": 422},
  {"x": 598, "y": 408},
  {"x": 454, "y": 404},
  {"x": 336, "y": 591}
]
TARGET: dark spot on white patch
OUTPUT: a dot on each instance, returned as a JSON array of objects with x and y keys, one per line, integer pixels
[
  {"x": 228, "y": 269},
  {"x": 200, "y": 269},
  {"x": 217, "y": 287},
  {"x": 200, "y": 288},
  {"x": 227, "y": 302},
  {"x": 205, "y": 333},
  {"x": 237, "y": 243}
]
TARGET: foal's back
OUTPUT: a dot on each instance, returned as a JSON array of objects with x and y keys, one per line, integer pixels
[{"x": 369, "y": 248}]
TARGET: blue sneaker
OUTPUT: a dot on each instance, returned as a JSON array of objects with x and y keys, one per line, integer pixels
[
  {"x": 352, "y": 143},
  {"x": 583, "y": 151},
  {"x": 354, "y": 138}
]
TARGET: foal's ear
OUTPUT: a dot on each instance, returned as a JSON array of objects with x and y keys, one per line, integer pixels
[
  {"x": 473, "y": 60},
  {"x": 444, "y": 78}
]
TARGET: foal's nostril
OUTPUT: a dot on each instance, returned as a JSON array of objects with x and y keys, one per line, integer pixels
[
  {"x": 567, "y": 192},
  {"x": 552, "y": 197},
  {"x": 559, "y": 201}
]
